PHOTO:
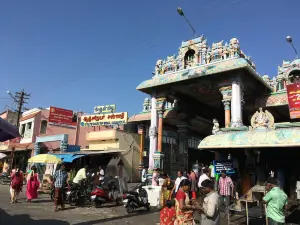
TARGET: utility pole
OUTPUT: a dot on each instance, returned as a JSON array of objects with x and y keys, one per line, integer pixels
[{"x": 20, "y": 98}]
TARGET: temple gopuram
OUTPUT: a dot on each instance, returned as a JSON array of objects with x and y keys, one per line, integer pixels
[{"x": 209, "y": 103}]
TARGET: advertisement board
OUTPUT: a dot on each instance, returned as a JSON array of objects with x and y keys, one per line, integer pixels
[
  {"x": 104, "y": 120},
  {"x": 293, "y": 95},
  {"x": 105, "y": 109},
  {"x": 60, "y": 116}
]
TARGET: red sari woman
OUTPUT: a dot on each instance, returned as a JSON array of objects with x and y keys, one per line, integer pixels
[
  {"x": 184, "y": 209},
  {"x": 32, "y": 185},
  {"x": 16, "y": 184}
]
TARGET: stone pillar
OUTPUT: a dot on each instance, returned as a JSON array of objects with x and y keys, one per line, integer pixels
[
  {"x": 141, "y": 132},
  {"x": 284, "y": 84},
  {"x": 236, "y": 105},
  {"x": 226, "y": 92},
  {"x": 153, "y": 133},
  {"x": 183, "y": 132},
  {"x": 63, "y": 146},
  {"x": 158, "y": 155},
  {"x": 36, "y": 148}
]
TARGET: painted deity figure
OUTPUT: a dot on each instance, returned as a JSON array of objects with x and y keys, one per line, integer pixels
[
  {"x": 261, "y": 119},
  {"x": 234, "y": 47},
  {"x": 158, "y": 67},
  {"x": 170, "y": 63},
  {"x": 216, "y": 126},
  {"x": 225, "y": 51},
  {"x": 208, "y": 56}
]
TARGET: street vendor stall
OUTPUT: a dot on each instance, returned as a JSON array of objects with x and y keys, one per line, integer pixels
[{"x": 46, "y": 165}]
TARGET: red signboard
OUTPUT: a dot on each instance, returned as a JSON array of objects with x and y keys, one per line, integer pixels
[
  {"x": 61, "y": 116},
  {"x": 293, "y": 94}
]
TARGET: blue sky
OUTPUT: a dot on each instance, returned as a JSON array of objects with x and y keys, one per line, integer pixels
[{"x": 78, "y": 54}]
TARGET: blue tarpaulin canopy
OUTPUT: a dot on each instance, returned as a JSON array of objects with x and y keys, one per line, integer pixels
[
  {"x": 68, "y": 158},
  {"x": 7, "y": 131}
]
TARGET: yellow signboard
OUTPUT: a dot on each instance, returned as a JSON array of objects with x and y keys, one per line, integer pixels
[
  {"x": 104, "y": 120},
  {"x": 105, "y": 109}
]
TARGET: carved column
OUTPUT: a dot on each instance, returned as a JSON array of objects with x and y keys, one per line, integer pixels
[
  {"x": 183, "y": 133},
  {"x": 153, "y": 133},
  {"x": 141, "y": 132},
  {"x": 226, "y": 92},
  {"x": 158, "y": 155},
  {"x": 236, "y": 104},
  {"x": 36, "y": 148}
]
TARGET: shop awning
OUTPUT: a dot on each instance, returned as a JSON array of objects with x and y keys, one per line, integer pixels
[
  {"x": 253, "y": 139},
  {"x": 96, "y": 152},
  {"x": 7, "y": 131},
  {"x": 68, "y": 158}
]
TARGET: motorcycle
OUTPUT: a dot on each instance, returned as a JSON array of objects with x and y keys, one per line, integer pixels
[
  {"x": 65, "y": 195},
  {"x": 107, "y": 192},
  {"x": 136, "y": 199},
  {"x": 80, "y": 193},
  {"x": 5, "y": 179}
]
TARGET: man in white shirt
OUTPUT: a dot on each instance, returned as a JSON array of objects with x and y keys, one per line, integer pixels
[
  {"x": 210, "y": 211},
  {"x": 101, "y": 174},
  {"x": 203, "y": 177},
  {"x": 177, "y": 182},
  {"x": 81, "y": 174},
  {"x": 144, "y": 175}
]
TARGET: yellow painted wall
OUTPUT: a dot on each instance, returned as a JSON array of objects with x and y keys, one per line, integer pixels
[{"x": 116, "y": 139}]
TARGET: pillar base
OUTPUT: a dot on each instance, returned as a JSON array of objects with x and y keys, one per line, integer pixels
[
  {"x": 236, "y": 124},
  {"x": 158, "y": 160}
]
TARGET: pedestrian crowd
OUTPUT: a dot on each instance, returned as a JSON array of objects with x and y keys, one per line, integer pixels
[
  {"x": 59, "y": 182},
  {"x": 190, "y": 195}
]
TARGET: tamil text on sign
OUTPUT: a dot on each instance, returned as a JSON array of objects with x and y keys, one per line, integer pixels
[
  {"x": 293, "y": 94},
  {"x": 60, "y": 116},
  {"x": 221, "y": 166},
  {"x": 105, "y": 119},
  {"x": 105, "y": 109}
]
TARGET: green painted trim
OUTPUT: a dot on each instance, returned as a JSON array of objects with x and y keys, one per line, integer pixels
[
  {"x": 289, "y": 137},
  {"x": 202, "y": 70}
]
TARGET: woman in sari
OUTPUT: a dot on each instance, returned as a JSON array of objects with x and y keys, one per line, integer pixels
[
  {"x": 184, "y": 209},
  {"x": 193, "y": 179},
  {"x": 16, "y": 184},
  {"x": 166, "y": 190},
  {"x": 167, "y": 214},
  {"x": 32, "y": 184}
]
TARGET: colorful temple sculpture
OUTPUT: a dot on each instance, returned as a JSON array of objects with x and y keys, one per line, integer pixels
[{"x": 214, "y": 93}]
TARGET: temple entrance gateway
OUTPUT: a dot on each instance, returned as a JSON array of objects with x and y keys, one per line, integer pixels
[
  {"x": 62, "y": 138},
  {"x": 207, "y": 86}
]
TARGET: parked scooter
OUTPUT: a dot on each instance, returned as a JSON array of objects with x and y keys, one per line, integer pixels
[
  {"x": 5, "y": 179},
  {"x": 108, "y": 191},
  {"x": 135, "y": 199}
]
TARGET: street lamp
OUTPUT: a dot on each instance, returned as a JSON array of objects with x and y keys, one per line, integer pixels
[
  {"x": 9, "y": 93},
  {"x": 181, "y": 13},
  {"x": 289, "y": 40}
]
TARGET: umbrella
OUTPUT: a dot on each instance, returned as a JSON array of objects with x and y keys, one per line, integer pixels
[
  {"x": 45, "y": 158},
  {"x": 7, "y": 131},
  {"x": 2, "y": 156}
]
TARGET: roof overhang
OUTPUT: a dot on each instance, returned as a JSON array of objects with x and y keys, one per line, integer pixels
[
  {"x": 253, "y": 139},
  {"x": 200, "y": 71}
]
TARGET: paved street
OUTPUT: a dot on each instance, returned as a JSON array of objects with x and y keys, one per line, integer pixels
[{"x": 41, "y": 212}]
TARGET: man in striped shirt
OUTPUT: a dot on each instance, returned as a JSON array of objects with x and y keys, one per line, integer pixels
[{"x": 226, "y": 189}]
